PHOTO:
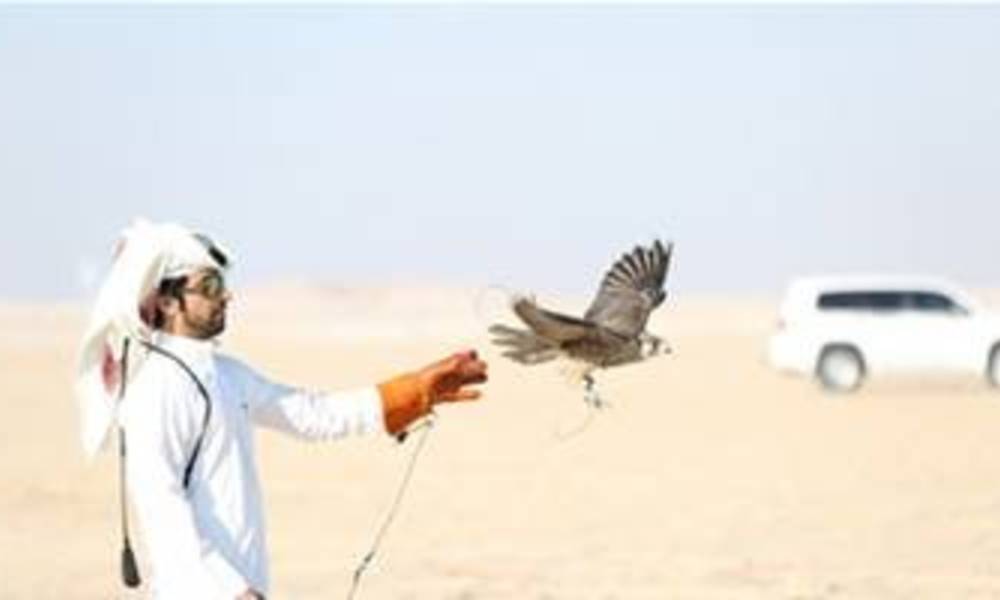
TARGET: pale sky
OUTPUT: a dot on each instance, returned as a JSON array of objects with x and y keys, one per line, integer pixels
[{"x": 521, "y": 146}]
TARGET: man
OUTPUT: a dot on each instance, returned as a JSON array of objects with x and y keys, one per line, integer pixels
[{"x": 188, "y": 411}]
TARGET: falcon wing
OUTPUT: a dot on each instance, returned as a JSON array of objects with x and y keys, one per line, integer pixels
[
  {"x": 631, "y": 289},
  {"x": 553, "y": 327}
]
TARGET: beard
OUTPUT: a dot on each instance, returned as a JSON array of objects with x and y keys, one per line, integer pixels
[
  {"x": 218, "y": 324},
  {"x": 209, "y": 326}
]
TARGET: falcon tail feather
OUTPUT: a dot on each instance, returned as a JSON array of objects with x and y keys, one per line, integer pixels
[{"x": 523, "y": 346}]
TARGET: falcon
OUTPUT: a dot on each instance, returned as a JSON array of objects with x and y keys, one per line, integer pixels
[{"x": 611, "y": 333}]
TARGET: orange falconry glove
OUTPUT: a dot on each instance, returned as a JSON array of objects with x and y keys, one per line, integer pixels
[{"x": 407, "y": 397}]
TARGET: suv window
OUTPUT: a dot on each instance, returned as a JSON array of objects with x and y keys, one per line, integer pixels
[
  {"x": 928, "y": 302},
  {"x": 861, "y": 301}
]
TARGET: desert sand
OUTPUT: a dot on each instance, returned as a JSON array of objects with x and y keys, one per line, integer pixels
[{"x": 710, "y": 477}]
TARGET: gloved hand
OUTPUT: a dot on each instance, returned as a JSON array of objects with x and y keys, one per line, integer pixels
[{"x": 410, "y": 396}]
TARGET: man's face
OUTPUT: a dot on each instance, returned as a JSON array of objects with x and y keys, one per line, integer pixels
[{"x": 202, "y": 314}]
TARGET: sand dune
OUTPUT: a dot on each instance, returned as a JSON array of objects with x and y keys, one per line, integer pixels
[{"x": 711, "y": 477}]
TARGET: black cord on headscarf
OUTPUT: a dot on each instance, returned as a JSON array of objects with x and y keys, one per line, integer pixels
[{"x": 129, "y": 567}]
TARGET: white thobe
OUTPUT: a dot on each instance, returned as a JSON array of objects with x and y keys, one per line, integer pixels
[{"x": 207, "y": 542}]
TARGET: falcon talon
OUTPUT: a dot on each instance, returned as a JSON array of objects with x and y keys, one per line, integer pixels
[{"x": 594, "y": 400}]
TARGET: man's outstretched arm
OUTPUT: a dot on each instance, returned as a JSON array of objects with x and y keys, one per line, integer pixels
[{"x": 390, "y": 406}]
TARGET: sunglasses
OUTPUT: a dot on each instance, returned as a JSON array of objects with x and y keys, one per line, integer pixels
[{"x": 211, "y": 286}]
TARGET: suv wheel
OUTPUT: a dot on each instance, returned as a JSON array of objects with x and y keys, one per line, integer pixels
[
  {"x": 993, "y": 367},
  {"x": 841, "y": 369}
]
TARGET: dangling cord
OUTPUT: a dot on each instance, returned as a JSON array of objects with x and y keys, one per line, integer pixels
[
  {"x": 130, "y": 571},
  {"x": 427, "y": 425},
  {"x": 594, "y": 404},
  {"x": 562, "y": 436}
]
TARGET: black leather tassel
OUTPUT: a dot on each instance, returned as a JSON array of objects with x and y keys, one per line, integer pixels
[{"x": 130, "y": 570}]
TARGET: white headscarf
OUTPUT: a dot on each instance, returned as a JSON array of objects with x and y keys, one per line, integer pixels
[{"x": 146, "y": 254}]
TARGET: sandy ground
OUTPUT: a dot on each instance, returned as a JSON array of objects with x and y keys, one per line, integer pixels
[{"x": 711, "y": 477}]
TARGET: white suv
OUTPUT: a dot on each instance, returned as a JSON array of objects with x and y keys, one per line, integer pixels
[{"x": 842, "y": 329}]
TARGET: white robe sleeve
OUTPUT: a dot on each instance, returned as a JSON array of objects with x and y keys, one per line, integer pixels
[
  {"x": 308, "y": 414},
  {"x": 163, "y": 417}
]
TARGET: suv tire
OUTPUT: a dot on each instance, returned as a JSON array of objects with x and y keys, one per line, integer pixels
[
  {"x": 841, "y": 369},
  {"x": 993, "y": 367}
]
